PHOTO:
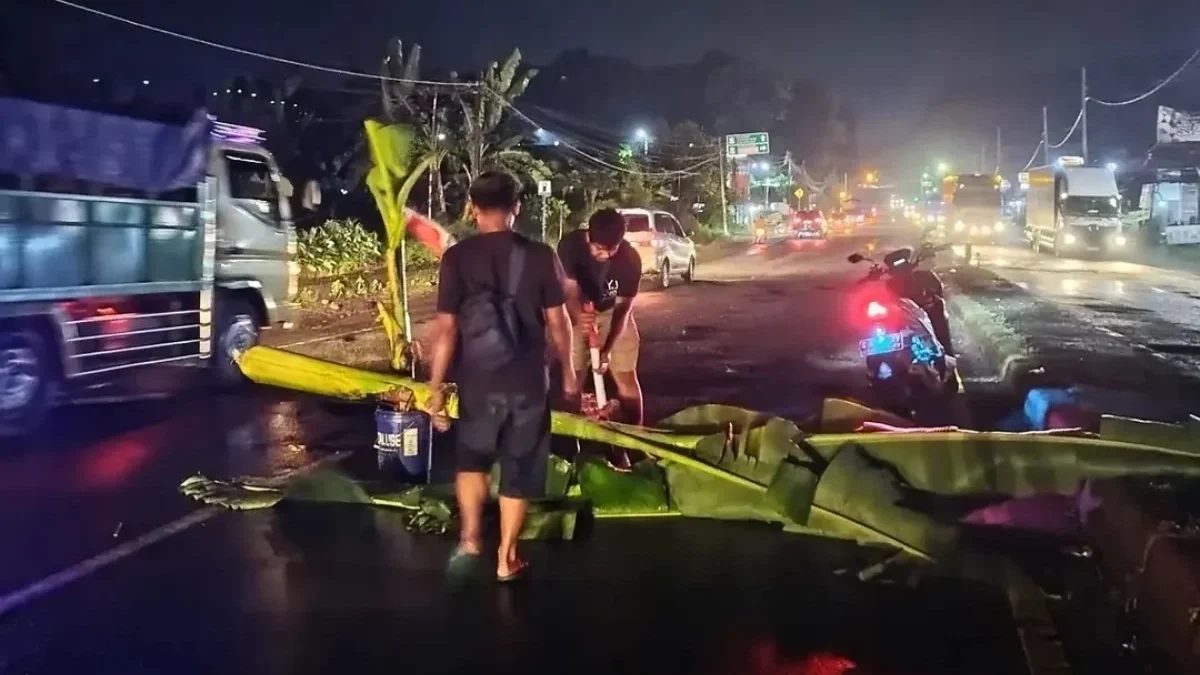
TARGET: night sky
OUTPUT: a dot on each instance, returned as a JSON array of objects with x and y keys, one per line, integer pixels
[{"x": 891, "y": 58}]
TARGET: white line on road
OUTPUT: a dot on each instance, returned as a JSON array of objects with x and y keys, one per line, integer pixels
[
  {"x": 323, "y": 338},
  {"x": 79, "y": 570}
]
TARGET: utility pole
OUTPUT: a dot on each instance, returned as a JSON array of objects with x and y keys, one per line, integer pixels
[
  {"x": 724, "y": 202},
  {"x": 433, "y": 123},
  {"x": 998, "y": 151},
  {"x": 1083, "y": 111},
  {"x": 982, "y": 157},
  {"x": 1045, "y": 138}
]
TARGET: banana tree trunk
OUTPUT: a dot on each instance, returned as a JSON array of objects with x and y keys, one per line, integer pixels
[{"x": 396, "y": 307}]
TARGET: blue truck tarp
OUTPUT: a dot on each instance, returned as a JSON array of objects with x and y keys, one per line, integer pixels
[{"x": 49, "y": 140}]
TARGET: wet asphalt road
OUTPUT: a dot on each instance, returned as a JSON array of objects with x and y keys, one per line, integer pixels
[
  {"x": 1127, "y": 334},
  {"x": 324, "y": 590}
]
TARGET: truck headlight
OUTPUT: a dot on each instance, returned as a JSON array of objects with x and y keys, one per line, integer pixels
[
  {"x": 959, "y": 226},
  {"x": 1119, "y": 240},
  {"x": 1068, "y": 239},
  {"x": 999, "y": 226}
]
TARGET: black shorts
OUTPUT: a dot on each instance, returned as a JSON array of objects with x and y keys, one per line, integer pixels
[{"x": 512, "y": 429}]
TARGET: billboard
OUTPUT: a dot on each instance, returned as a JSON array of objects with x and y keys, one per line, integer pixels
[{"x": 1177, "y": 126}]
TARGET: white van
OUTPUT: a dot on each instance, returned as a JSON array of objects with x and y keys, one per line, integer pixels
[{"x": 665, "y": 249}]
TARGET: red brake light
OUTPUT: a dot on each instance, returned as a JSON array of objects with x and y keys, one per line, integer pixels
[{"x": 876, "y": 310}]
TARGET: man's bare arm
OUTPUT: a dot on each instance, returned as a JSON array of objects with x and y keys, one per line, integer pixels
[
  {"x": 559, "y": 325},
  {"x": 445, "y": 335},
  {"x": 621, "y": 312},
  {"x": 570, "y": 291}
]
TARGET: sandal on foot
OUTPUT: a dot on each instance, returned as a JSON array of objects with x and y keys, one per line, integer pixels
[{"x": 517, "y": 572}]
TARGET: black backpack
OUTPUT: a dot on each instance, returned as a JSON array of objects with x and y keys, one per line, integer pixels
[{"x": 489, "y": 323}]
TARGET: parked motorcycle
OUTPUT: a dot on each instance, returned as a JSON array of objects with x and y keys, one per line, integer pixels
[{"x": 908, "y": 352}]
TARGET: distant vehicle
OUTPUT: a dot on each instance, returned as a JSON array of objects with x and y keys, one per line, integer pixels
[
  {"x": 809, "y": 223},
  {"x": 845, "y": 220},
  {"x": 1072, "y": 208},
  {"x": 134, "y": 254},
  {"x": 973, "y": 209},
  {"x": 665, "y": 248}
]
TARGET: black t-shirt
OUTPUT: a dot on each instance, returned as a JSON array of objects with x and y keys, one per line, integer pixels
[
  {"x": 600, "y": 283},
  {"x": 479, "y": 264}
]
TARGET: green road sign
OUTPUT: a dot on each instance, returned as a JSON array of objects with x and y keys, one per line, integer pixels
[{"x": 746, "y": 145}]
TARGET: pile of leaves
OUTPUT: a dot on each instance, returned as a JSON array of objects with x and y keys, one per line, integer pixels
[{"x": 903, "y": 489}]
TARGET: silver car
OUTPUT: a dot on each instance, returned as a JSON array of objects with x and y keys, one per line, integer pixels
[{"x": 662, "y": 243}]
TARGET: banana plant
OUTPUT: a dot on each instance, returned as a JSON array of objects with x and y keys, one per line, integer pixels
[{"x": 391, "y": 178}]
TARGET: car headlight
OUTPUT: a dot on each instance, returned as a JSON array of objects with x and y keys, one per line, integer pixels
[
  {"x": 1068, "y": 239},
  {"x": 929, "y": 219},
  {"x": 999, "y": 227},
  {"x": 959, "y": 226},
  {"x": 1119, "y": 240},
  {"x": 941, "y": 218}
]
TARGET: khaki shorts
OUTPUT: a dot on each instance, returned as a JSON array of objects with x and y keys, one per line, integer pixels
[{"x": 624, "y": 355}]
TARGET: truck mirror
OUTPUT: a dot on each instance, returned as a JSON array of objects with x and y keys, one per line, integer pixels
[
  {"x": 285, "y": 187},
  {"x": 312, "y": 195}
]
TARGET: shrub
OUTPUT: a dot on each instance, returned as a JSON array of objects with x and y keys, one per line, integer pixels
[{"x": 338, "y": 247}]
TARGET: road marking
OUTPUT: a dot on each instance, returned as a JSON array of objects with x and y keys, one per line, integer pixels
[
  {"x": 47, "y": 585},
  {"x": 1156, "y": 289},
  {"x": 323, "y": 338}
]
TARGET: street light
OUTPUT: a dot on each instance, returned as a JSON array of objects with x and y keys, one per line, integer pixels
[
  {"x": 871, "y": 177},
  {"x": 643, "y": 136},
  {"x": 943, "y": 167},
  {"x": 441, "y": 136}
]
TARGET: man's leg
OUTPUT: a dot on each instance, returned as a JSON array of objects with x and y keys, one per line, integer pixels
[
  {"x": 478, "y": 432},
  {"x": 524, "y": 452},
  {"x": 622, "y": 363},
  {"x": 471, "y": 488}
]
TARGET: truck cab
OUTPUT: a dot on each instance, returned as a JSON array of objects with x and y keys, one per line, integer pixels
[{"x": 1074, "y": 209}]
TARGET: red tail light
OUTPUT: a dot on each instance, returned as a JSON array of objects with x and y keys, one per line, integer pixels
[{"x": 876, "y": 310}]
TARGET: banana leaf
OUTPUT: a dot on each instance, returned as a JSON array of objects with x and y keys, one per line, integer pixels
[
  {"x": 1175, "y": 436},
  {"x": 859, "y": 498},
  {"x": 1016, "y": 465},
  {"x": 640, "y": 491}
]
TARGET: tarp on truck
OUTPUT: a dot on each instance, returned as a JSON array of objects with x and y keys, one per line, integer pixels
[
  {"x": 1090, "y": 181},
  {"x": 49, "y": 140}
]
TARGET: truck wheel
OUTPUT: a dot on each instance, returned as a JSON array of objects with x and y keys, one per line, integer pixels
[
  {"x": 664, "y": 274},
  {"x": 26, "y": 382},
  {"x": 690, "y": 275},
  {"x": 237, "y": 330}
]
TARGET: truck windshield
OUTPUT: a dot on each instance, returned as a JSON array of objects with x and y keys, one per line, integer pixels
[
  {"x": 972, "y": 197},
  {"x": 1091, "y": 206},
  {"x": 250, "y": 177}
]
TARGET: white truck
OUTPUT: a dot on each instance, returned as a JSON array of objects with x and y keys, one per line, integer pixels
[
  {"x": 1073, "y": 209},
  {"x": 133, "y": 255}
]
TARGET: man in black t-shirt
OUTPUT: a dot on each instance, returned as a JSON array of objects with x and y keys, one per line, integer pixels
[
  {"x": 504, "y": 412},
  {"x": 602, "y": 273}
]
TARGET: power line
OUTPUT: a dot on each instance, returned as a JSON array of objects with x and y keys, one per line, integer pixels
[
  {"x": 1033, "y": 157},
  {"x": 1070, "y": 133},
  {"x": 1155, "y": 89},
  {"x": 689, "y": 171},
  {"x": 257, "y": 55}
]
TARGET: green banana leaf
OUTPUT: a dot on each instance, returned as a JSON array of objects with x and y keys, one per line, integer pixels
[
  {"x": 640, "y": 491},
  {"x": 859, "y": 498},
  {"x": 1175, "y": 436}
]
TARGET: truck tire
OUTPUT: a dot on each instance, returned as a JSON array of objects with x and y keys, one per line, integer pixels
[
  {"x": 237, "y": 330},
  {"x": 26, "y": 381}
]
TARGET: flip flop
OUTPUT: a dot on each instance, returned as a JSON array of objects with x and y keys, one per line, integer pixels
[
  {"x": 519, "y": 574},
  {"x": 463, "y": 564}
]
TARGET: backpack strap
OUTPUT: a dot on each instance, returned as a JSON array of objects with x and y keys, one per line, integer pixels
[{"x": 516, "y": 265}]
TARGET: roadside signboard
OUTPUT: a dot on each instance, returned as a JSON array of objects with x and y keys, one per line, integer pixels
[
  {"x": 799, "y": 193},
  {"x": 747, "y": 145},
  {"x": 545, "y": 189}
]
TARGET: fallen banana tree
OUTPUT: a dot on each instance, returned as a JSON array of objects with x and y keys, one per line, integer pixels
[{"x": 895, "y": 489}]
